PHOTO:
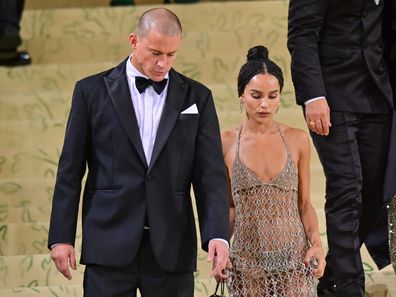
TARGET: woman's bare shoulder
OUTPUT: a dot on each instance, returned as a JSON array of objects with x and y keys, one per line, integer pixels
[
  {"x": 228, "y": 138},
  {"x": 295, "y": 136}
]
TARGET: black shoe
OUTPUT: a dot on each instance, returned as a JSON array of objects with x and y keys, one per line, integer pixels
[
  {"x": 15, "y": 59},
  {"x": 326, "y": 289}
]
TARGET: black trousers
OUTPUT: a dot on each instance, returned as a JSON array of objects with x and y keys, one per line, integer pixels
[
  {"x": 143, "y": 274},
  {"x": 10, "y": 14},
  {"x": 10, "y": 17},
  {"x": 354, "y": 157}
]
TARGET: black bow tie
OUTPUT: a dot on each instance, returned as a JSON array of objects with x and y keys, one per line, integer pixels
[{"x": 142, "y": 83}]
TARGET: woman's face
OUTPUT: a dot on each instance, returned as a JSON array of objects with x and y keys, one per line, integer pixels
[{"x": 261, "y": 97}]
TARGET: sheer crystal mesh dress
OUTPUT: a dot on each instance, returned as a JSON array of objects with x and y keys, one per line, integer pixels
[{"x": 269, "y": 243}]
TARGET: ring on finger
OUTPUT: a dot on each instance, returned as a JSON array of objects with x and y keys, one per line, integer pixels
[{"x": 312, "y": 124}]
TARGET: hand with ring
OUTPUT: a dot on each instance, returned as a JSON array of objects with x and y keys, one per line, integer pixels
[{"x": 317, "y": 114}]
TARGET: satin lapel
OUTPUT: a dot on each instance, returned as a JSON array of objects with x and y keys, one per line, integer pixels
[
  {"x": 118, "y": 88},
  {"x": 176, "y": 94}
]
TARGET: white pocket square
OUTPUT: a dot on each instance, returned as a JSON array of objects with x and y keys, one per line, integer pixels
[{"x": 191, "y": 110}]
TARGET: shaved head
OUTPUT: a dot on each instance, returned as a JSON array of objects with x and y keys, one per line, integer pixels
[
  {"x": 155, "y": 43},
  {"x": 160, "y": 20}
]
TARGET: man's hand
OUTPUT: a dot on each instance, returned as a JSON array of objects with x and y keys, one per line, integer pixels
[
  {"x": 64, "y": 255},
  {"x": 317, "y": 116},
  {"x": 218, "y": 255}
]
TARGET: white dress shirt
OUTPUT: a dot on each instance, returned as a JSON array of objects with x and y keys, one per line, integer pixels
[{"x": 148, "y": 109}]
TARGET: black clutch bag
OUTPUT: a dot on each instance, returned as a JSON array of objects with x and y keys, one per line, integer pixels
[{"x": 221, "y": 286}]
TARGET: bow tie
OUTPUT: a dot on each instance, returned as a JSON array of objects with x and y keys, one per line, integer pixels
[{"x": 142, "y": 83}]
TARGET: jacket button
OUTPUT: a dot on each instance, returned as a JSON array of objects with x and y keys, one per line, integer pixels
[{"x": 148, "y": 177}]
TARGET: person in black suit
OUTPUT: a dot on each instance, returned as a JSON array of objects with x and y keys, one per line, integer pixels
[
  {"x": 146, "y": 133},
  {"x": 341, "y": 80},
  {"x": 10, "y": 16}
]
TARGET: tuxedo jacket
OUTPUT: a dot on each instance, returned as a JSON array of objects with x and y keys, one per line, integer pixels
[
  {"x": 337, "y": 51},
  {"x": 122, "y": 192}
]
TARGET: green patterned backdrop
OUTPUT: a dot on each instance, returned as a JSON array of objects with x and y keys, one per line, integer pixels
[{"x": 70, "y": 43}]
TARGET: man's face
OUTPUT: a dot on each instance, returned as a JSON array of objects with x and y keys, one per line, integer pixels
[{"x": 154, "y": 53}]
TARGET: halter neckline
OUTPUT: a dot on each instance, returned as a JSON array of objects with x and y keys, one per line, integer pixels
[{"x": 272, "y": 179}]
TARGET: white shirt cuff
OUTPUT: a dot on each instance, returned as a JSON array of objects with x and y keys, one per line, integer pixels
[
  {"x": 313, "y": 99},
  {"x": 221, "y": 239},
  {"x": 54, "y": 245}
]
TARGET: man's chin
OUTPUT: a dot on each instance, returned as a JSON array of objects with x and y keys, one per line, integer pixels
[{"x": 157, "y": 76}]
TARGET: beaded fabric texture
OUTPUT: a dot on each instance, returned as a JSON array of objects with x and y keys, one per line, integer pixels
[
  {"x": 392, "y": 230},
  {"x": 269, "y": 243}
]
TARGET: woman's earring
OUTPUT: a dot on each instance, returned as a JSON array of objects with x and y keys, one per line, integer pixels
[
  {"x": 277, "y": 109},
  {"x": 241, "y": 105}
]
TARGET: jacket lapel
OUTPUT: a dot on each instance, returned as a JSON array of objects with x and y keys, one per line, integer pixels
[
  {"x": 117, "y": 86},
  {"x": 176, "y": 94}
]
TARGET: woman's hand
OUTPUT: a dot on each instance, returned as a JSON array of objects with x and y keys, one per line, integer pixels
[{"x": 315, "y": 258}]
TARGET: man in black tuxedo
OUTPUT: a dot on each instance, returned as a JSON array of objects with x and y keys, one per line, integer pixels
[
  {"x": 146, "y": 133},
  {"x": 10, "y": 17},
  {"x": 341, "y": 80}
]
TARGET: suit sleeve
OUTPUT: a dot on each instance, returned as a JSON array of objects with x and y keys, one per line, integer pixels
[
  {"x": 71, "y": 169},
  {"x": 209, "y": 177},
  {"x": 304, "y": 25},
  {"x": 389, "y": 30}
]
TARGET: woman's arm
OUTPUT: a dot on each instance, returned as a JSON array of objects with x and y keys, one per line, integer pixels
[{"x": 307, "y": 212}]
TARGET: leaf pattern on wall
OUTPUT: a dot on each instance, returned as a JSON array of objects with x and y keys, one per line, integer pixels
[{"x": 69, "y": 44}]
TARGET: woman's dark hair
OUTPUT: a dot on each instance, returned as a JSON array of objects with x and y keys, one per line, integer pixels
[{"x": 258, "y": 63}]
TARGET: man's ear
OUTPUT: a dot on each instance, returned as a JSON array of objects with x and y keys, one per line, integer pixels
[{"x": 133, "y": 40}]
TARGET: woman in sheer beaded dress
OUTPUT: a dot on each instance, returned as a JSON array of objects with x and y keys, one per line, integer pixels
[{"x": 276, "y": 249}]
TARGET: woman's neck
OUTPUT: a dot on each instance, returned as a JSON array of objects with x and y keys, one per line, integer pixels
[{"x": 254, "y": 127}]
